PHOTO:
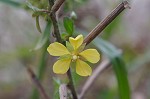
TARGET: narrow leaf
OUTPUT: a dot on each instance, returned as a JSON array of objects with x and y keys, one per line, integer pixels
[
  {"x": 68, "y": 24},
  {"x": 37, "y": 24},
  {"x": 44, "y": 37},
  {"x": 121, "y": 74},
  {"x": 33, "y": 7},
  {"x": 118, "y": 65}
]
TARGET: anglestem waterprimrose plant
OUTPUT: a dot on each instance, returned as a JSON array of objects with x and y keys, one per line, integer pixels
[{"x": 73, "y": 52}]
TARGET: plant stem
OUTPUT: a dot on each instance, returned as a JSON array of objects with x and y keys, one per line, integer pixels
[
  {"x": 58, "y": 38},
  {"x": 55, "y": 26},
  {"x": 51, "y": 3},
  {"x": 63, "y": 91},
  {"x": 105, "y": 22},
  {"x": 71, "y": 85},
  {"x": 57, "y": 5}
]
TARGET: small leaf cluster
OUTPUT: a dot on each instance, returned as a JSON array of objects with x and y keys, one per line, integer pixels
[{"x": 38, "y": 8}]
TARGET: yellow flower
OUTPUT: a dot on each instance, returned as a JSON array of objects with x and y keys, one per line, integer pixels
[{"x": 73, "y": 53}]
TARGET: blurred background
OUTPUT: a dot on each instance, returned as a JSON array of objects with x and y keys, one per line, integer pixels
[{"x": 129, "y": 32}]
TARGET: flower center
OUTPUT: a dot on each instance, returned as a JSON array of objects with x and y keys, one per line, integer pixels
[{"x": 75, "y": 57}]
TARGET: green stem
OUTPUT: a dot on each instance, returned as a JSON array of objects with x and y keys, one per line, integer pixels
[
  {"x": 56, "y": 28},
  {"x": 58, "y": 38}
]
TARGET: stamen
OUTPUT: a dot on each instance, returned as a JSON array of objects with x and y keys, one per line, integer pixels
[{"x": 74, "y": 57}]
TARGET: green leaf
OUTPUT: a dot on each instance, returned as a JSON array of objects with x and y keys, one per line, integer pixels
[
  {"x": 36, "y": 11},
  {"x": 76, "y": 78},
  {"x": 44, "y": 37},
  {"x": 69, "y": 25},
  {"x": 118, "y": 65},
  {"x": 64, "y": 36},
  {"x": 33, "y": 7},
  {"x": 36, "y": 14},
  {"x": 121, "y": 74},
  {"x": 107, "y": 48},
  {"x": 37, "y": 24},
  {"x": 12, "y": 3}
]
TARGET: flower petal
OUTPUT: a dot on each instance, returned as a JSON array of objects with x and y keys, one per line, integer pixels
[
  {"x": 91, "y": 55},
  {"x": 61, "y": 66},
  {"x": 76, "y": 42},
  {"x": 57, "y": 49},
  {"x": 83, "y": 68}
]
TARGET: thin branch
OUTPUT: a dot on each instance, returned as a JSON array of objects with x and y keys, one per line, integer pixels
[
  {"x": 55, "y": 26},
  {"x": 57, "y": 5},
  {"x": 54, "y": 21},
  {"x": 71, "y": 85},
  {"x": 104, "y": 23},
  {"x": 44, "y": 11},
  {"x": 51, "y": 3},
  {"x": 63, "y": 91},
  {"x": 37, "y": 83},
  {"x": 102, "y": 67}
]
